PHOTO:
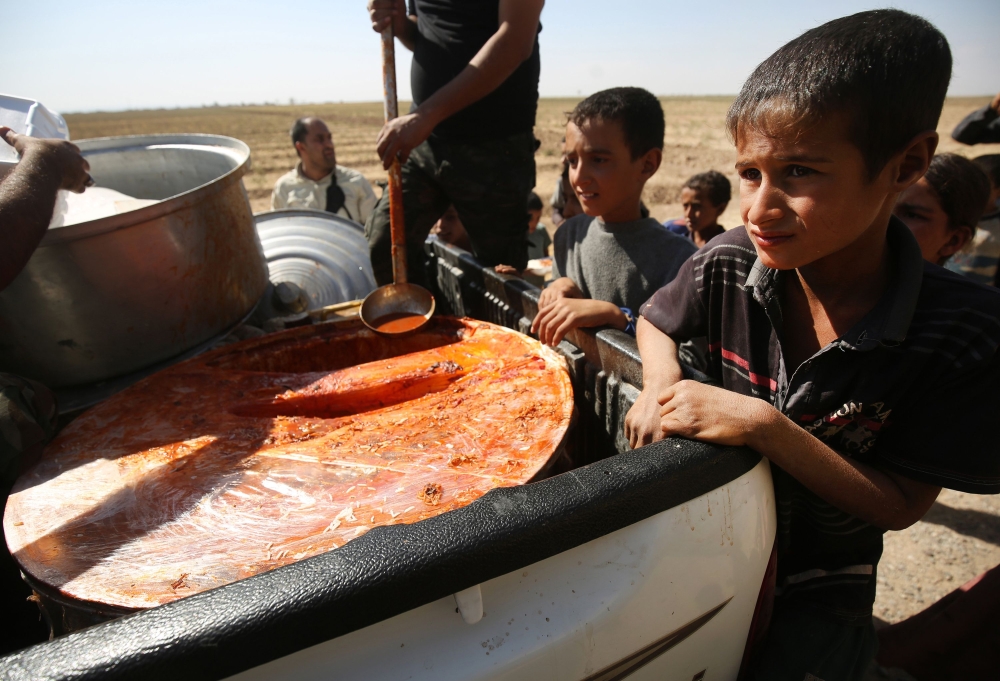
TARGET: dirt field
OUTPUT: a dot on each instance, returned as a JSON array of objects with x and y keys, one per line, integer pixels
[
  {"x": 958, "y": 539},
  {"x": 695, "y": 140}
]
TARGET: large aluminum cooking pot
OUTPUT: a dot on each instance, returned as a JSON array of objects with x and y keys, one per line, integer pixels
[
  {"x": 323, "y": 254},
  {"x": 106, "y": 297}
]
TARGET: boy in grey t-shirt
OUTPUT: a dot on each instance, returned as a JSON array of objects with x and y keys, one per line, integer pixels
[{"x": 609, "y": 261}]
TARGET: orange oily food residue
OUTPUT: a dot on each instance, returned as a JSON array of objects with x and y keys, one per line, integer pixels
[{"x": 279, "y": 448}]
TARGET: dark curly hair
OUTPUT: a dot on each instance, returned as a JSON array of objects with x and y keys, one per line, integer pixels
[
  {"x": 962, "y": 188},
  {"x": 715, "y": 185}
]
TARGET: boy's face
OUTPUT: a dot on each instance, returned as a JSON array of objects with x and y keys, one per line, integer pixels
[
  {"x": 920, "y": 209},
  {"x": 806, "y": 195},
  {"x": 607, "y": 181},
  {"x": 533, "y": 217},
  {"x": 699, "y": 212},
  {"x": 449, "y": 227},
  {"x": 572, "y": 207}
]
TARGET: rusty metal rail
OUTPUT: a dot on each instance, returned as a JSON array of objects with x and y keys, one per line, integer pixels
[
  {"x": 604, "y": 366},
  {"x": 396, "y": 222}
]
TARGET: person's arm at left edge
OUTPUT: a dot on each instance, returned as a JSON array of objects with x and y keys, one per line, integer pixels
[
  {"x": 711, "y": 414},
  {"x": 506, "y": 49},
  {"x": 28, "y": 195}
]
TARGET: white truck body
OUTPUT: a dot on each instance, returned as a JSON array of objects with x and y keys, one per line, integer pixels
[{"x": 601, "y": 610}]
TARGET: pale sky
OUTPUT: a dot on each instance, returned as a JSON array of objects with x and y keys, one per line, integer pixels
[{"x": 109, "y": 55}]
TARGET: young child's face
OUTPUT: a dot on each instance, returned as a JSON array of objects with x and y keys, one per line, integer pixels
[
  {"x": 806, "y": 195},
  {"x": 699, "y": 211},
  {"x": 920, "y": 208},
  {"x": 533, "y": 217},
  {"x": 607, "y": 181},
  {"x": 449, "y": 227}
]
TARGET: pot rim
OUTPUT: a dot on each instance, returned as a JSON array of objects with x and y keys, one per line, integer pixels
[{"x": 135, "y": 218}]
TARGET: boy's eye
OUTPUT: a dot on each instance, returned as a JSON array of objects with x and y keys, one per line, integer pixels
[
  {"x": 800, "y": 171},
  {"x": 751, "y": 174}
]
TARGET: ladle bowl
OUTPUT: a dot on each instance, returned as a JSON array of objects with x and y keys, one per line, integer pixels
[
  {"x": 397, "y": 308},
  {"x": 400, "y": 307}
]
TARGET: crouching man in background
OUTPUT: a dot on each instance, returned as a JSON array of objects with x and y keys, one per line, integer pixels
[{"x": 317, "y": 181}]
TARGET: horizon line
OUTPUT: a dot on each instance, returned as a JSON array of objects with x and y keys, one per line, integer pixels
[{"x": 293, "y": 103}]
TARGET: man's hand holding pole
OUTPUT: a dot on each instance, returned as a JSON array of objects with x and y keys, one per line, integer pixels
[{"x": 511, "y": 45}]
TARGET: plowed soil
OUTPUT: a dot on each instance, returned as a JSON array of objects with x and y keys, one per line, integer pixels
[{"x": 695, "y": 140}]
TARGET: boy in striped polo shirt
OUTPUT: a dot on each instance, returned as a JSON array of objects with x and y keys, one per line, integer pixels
[{"x": 865, "y": 375}]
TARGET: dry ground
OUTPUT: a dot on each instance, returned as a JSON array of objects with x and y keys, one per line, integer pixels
[
  {"x": 958, "y": 539},
  {"x": 695, "y": 140}
]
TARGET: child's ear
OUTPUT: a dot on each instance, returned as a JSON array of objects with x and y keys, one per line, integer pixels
[
  {"x": 651, "y": 161},
  {"x": 909, "y": 165}
]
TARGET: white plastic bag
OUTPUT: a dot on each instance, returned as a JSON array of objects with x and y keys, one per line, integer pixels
[{"x": 28, "y": 117}]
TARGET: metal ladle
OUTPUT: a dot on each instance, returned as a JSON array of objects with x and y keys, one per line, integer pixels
[{"x": 399, "y": 307}]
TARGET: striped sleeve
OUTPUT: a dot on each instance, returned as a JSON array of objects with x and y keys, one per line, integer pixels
[{"x": 677, "y": 309}]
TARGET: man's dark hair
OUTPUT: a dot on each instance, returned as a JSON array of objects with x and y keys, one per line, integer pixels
[
  {"x": 715, "y": 185},
  {"x": 990, "y": 164},
  {"x": 534, "y": 201},
  {"x": 300, "y": 129},
  {"x": 887, "y": 69},
  {"x": 962, "y": 188},
  {"x": 638, "y": 111}
]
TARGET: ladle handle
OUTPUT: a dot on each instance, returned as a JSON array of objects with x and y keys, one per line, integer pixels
[{"x": 397, "y": 229}]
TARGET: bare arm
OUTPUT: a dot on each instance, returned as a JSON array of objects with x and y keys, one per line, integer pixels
[
  {"x": 660, "y": 369},
  {"x": 28, "y": 196},
  {"x": 555, "y": 320},
  {"x": 561, "y": 287},
  {"x": 884, "y": 499},
  {"x": 496, "y": 60},
  {"x": 701, "y": 412}
]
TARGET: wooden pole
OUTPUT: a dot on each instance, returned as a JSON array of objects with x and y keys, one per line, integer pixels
[{"x": 396, "y": 224}]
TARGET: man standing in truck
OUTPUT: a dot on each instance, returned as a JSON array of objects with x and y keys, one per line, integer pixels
[{"x": 468, "y": 138}]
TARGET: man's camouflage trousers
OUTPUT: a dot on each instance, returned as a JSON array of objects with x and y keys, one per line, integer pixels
[{"x": 488, "y": 183}]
